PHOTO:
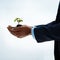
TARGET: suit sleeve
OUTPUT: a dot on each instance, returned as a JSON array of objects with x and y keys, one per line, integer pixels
[
  {"x": 50, "y": 31},
  {"x": 47, "y": 32}
]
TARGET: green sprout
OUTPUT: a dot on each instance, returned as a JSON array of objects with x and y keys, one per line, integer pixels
[{"x": 18, "y": 20}]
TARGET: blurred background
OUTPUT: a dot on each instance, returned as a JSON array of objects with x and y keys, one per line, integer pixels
[{"x": 33, "y": 12}]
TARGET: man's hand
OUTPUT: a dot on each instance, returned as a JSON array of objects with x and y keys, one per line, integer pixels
[{"x": 20, "y": 31}]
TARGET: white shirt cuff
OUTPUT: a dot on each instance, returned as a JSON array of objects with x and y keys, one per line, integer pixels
[{"x": 32, "y": 32}]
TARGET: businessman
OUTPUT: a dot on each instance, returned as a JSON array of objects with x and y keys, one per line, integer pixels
[{"x": 42, "y": 33}]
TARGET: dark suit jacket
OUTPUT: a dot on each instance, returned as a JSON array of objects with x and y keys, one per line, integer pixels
[{"x": 50, "y": 32}]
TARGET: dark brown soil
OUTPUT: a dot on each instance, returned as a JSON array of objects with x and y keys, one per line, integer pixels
[{"x": 19, "y": 25}]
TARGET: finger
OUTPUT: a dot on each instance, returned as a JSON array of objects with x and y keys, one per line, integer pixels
[{"x": 10, "y": 28}]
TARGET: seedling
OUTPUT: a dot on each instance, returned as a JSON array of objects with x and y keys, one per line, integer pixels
[{"x": 18, "y": 20}]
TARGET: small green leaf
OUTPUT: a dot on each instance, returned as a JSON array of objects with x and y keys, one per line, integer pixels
[{"x": 18, "y": 20}]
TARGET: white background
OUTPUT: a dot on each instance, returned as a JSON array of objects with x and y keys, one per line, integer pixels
[{"x": 33, "y": 12}]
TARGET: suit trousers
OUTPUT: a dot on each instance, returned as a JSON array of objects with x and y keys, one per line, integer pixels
[{"x": 57, "y": 50}]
